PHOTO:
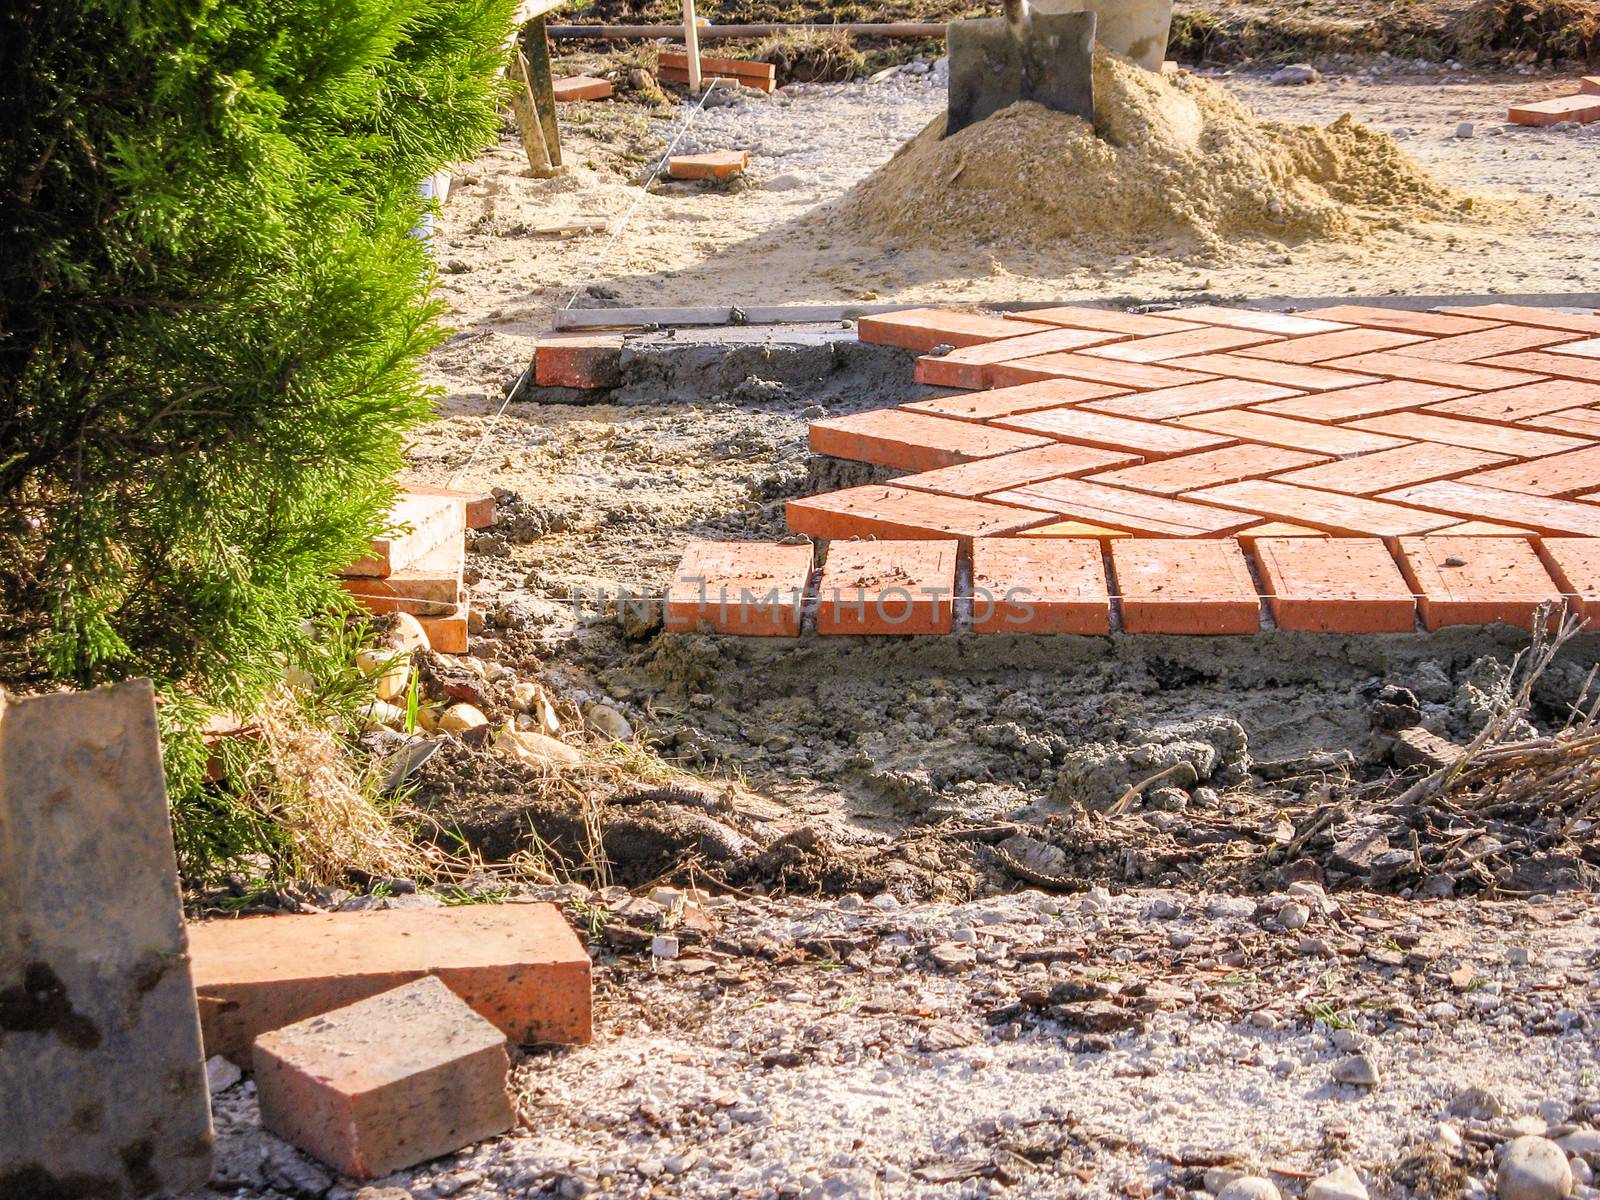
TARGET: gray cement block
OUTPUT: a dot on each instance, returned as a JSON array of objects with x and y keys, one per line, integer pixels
[{"x": 102, "y": 1080}]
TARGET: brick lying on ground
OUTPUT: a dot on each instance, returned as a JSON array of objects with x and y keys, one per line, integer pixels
[
  {"x": 1349, "y": 516},
  {"x": 1579, "y": 108},
  {"x": 1334, "y": 585},
  {"x": 1473, "y": 376},
  {"x": 1039, "y": 585},
  {"x": 1523, "y": 314},
  {"x": 1298, "y": 376},
  {"x": 1561, "y": 475},
  {"x": 386, "y": 1083},
  {"x": 518, "y": 965},
  {"x": 1415, "y": 462},
  {"x": 1207, "y": 340},
  {"x": 1291, "y": 434},
  {"x": 1370, "y": 400},
  {"x": 1475, "y": 435},
  {"x": 1342, "y": 344},
  {"x": 1520, "y": 403},
  {"x": 435, "y": 577},
  {"x": 671, "y": 64},
  {"x": 1082, "y": 427},
  {"x": 578, "y": 360},
  {"x": 478, "y": 507},
  {"x": 421, "y": 524},
  {"x": 1562, "y": 366},
  {"x": 1446, "y": 324},
  {"x": 1471, "y": 347},
  {"x": 890, "y": 587},
  {"x": 1120, "y": 508},
  {"x": 1185, "y": 473},
  {"x": 1094, "y": 370},
  {"x": 1007, "y": 401},
  {"x": 1476, "y": 581},
  {"x": 922, "y": 329},
  {"x": 1166, "y": 403},
  {"x": 1003, "y": 471},
  {"x": 1539, "y": 513},
  {"x": 717, "y": 164},
  {"x": 1585, "y": 422},
  {"x": 887, "y": 510},
  {"x": 580, "y": 87},
  {"x": 1107, "y": 319},
  {"x": 752, "y": 589},
  {"x": 1193, "y": 586},
  {"x": 104, "y": 1079},
  {"x": 973, "y": 366},
  {"x": 1574, "y": 564},
  {"x": 912, "y": 441},
  {"x": 1283, "y": 324}
]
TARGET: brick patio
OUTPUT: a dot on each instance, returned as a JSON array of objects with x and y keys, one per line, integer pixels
[{"x": 1212, "y": 470}]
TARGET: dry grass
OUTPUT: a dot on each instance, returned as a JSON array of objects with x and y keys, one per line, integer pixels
[{"x": 1531, "y": 30}]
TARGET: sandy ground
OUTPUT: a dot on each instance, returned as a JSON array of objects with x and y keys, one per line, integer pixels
[{"x": 809, "y": 143}]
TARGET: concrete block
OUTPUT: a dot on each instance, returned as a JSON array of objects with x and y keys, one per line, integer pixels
[
  {"x": 387, "y": 1082},
  {"x": 102, "y": 1081},
  {"x": 518, "y": 965}
]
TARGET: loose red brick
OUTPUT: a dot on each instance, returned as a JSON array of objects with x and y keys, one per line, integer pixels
[
  {"x": 1276, "y": 529},
  {"x": 887, "y": 588},
  {"x": 1206, "y": 340},
  {"x": 1471, "y": 347},
  {"x": 1015, "y": 470},
  {"x": 1167, "y": 403},
  {"x": 419, "y": 525},
  {"x": 1342, "y": 344},
  {"x": 1589, "y": 85},
  {"x": 1563, "y": 366},
  {"x": 1075, "y": 529},
  {"x": 1375, "y": 399},
  {"x": 1521, "y": 314},
  {"x": 1476, "y": 580},
  {"x": 578, "y": 360},
  {"x": 478, "y": 507},
  {"x": 1513, "y": 508},
  {"x": 718, "y": 164},
  {"x": 1007, "y": 401},
  {"x": 674, "y": 65},
  {"x": 346, "y": 1089},
  {"x": 1290, "y": 434},
  {"x": 1416, "y": 462},
  {"x": 1348, "y": 516},
  {"x": 1095, "y": 370},
  {"x": 910, "y": 441},
  {"x": 973, "y": 366},
  {"x": 1040, "y": 585},
  {"x": 1520, "y": 403},
  {"x": 1586, "y": 348},
  {"x": 922, "y": 329},
  {"x": 1282, "y": 324},
  {"x": 1565, "y": 475},
  {"x": 581, "y": 87},
  {"x": 1168, "y": 586},
  {"x": 1579, "y": 108},
  {"x": 1145, "y": 438},
  {"x": 1476, "y": 435},
  {"x": 753, "y": 589},
  {"x": 446, "y": 631},
  {"x": 1290, "y": 375},
  {"x": 1472, "y": 376},
  {"x": 1099, "y": 504},
  {"x": 1186, "y": 472},
  {"x": 1335, "y": 585},
  {"x": 1465, "y": 320},
  {"x": 1582, "y": 421},
  {"x": 1109, "y": 320},
  {"x": 1574, "y": 564},
  {"x": 518, "y": 965},
  {"x": 888, "y": 511},
  {"x": 1482, "y": 529}
]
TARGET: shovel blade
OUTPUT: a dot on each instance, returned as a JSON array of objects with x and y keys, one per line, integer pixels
[{"x": 993, "y": 65}]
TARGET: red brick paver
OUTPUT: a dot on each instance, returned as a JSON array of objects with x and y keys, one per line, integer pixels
[
  {"x": 1472, "y": 376},
  {"x": 1534, "y": 512},
  {"x": 1476, "y": 435},
  {"x": 1405, "y": 321},
  {"x": 1520, "y": 403},
  {"x": 1164, "y": 404},
  {"x": 1039, "y": 585},
  {"x": 1109, "y": 320},
  {"x": 1373, "y": 400},
  {"x": 1324, "y": 346},
  {"x": 1186, "y": 472},
  {"x": 1476, "y": 581},
  {"x": 1350, "y": 516},
  {"x": 718, "y": 164},
  {"x": 1520, "y": 314},
  {"x": 1291, "y": 434},
  {"x": 580, "y": 87},
  {"x": 1169, "y": 586},
  {"x": 1145, "y": 438},
  {"x": 1283, "y": 324},
  {"x": 889, "y": 511},
  {"x": 910, "y": 441},
  {"x": 578, "y": 360},
  {"x": 755, "y": 589},
  {"x": 1120, "y": 508},
  {"x": 1007, "y": 401},
  {"x": 1016, "y": 470},
  {"x": 973, "y": 366},
  {"x": 1579, "y": 108},
  {"x": 1569, "y": 474},
  {"x": 1290, "y": 375},
  {"x": 1095, "y": 370},
  {"x": 1416, "y": 462},
  {"x": 887, "y": 588},
  {"x": 1335, "y": 585},
  {"x": 1472, "y": 347},
  {"x": 1574, "y": 563},
  {"x": 1210, "y": 340},
  {"x": 1563, "y": 366},
  {"x": 921, "y": 329},
  {"x": 1584, "y": 422}
]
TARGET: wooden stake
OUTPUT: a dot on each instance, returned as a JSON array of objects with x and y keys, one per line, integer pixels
[
  {"x": 536, "y": 49},
  {"x": 527, "y": 114},
  {"x": 691, "y": 44}
]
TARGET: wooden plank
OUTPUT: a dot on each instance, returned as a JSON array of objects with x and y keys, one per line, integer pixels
[
  {"x": 529, "y": 127},
  {"x": 691, "y": 41},
  {"x": 723, "y": 66},
  {"x": 541, "y": 82},
  {"x": 529, "y": 9}
]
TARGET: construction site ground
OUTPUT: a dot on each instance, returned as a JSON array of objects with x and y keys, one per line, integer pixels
[{"x": 923, "y": 970}]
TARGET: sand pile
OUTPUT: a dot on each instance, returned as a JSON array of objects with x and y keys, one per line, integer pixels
[{"x": 1179, "y": 164}]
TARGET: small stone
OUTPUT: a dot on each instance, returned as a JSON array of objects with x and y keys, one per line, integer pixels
[
  {"x": 221, "y": 1074},
  {"x": 953, "y": 957},
  {"x": 1339, "y": 1184},
  {"x": 1293, "y": 915},
  {"x": 459, "y": 718},
  {"x": 1358, "y": 1071},
  {"x": 1584, "y": 1143},
  {"x": 606, "y": 720},
  {"x": 1554, "y": 1112},
  {"x": 1217, "y": 1178},
  {"x": 1464, "y": 130},
  {"x": 1533, "y": 1168},
  {"x": 1249, "y": 1187},
  {"x": 1480, "y": 1104},
  {"x": 1582, "y": 1172},
  {"x": 1446, "y": 1138},
  {"x": 664, "y": 946},
  {"x": 787, "y": 182},
  {"x": 1294, "y": 74}
]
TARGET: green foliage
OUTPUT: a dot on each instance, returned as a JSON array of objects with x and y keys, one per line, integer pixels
[{"x": 211, "y": 307}]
